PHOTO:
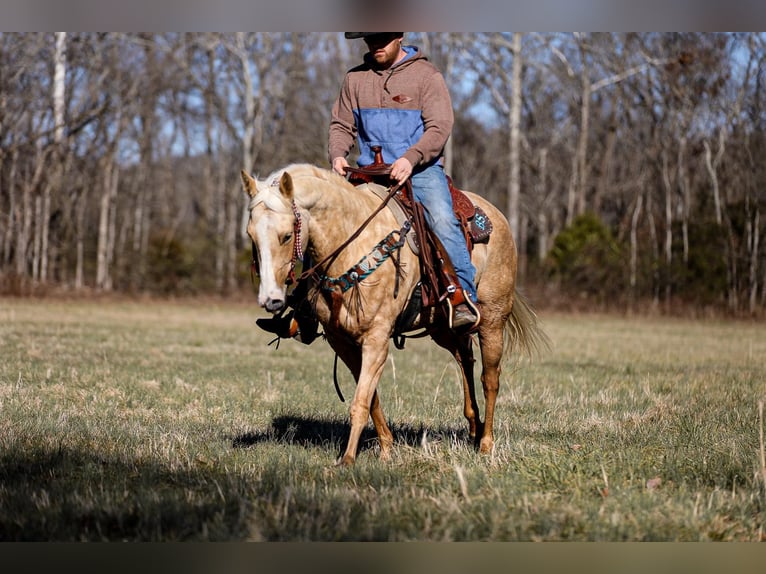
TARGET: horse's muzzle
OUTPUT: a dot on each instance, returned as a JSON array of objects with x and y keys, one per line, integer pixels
[{"x": 274, "y": 305}]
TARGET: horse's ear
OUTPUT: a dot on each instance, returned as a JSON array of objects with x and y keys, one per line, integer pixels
[
  {"x": 248, "y": 183},
  {"x": 286, "y": 185}
]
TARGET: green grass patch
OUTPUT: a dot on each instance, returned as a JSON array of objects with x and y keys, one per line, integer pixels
[{"x": 177, "y": 421}]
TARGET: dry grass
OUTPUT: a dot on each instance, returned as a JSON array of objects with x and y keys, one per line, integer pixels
[{"x": 176, "y": 421}]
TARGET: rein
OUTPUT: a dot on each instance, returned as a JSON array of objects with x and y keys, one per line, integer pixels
[{"x": 328, "y": 259}]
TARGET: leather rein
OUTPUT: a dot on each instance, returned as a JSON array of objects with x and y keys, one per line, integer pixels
[{"x": 328, "y": 259}]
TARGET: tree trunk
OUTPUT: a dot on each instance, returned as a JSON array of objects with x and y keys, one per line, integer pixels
[
  {"x": 59, "y": 105},
  {"x": 542, "y": 216},
  {"x": 634, "y": 246},
  {"x": 37, "y": 240},
  {"x": 79, "y": 275},
  {"x": 668, "y": 228},
  {"x": 24, "y": 236},
  {"x": 581, "y": 185},
  {"x": 683, "y": 182},
  {"x": 236, "y": 204},
  {"x": 514, "y": 184},
  {"x": 102, "y": 269},
  {"x": 755, "y": 232},
  {"x": 572, "y": 192},
  {"x": 606, "y": 162},
  {"x": 655, "y": 249},
  {"x": 712, "y": 165},
  {"x": 582, "y": 143},
  {"x": 8, "y": 232}
]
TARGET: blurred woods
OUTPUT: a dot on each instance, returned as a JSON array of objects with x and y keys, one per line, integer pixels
[{"x": 629, "y": 165}]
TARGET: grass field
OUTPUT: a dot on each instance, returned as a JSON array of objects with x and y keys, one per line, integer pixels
[{"x": 177, "y": 421}]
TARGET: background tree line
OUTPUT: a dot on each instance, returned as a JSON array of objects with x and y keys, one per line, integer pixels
[{"x": 629, "y": 165}]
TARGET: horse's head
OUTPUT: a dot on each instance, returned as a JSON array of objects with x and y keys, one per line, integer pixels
[{"x": 275, "y": 229}]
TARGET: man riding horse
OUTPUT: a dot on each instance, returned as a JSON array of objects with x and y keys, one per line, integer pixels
[{"x": 398, "y": 101}]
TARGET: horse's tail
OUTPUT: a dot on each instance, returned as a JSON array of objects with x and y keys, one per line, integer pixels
[{"x": 523, "y": 332}]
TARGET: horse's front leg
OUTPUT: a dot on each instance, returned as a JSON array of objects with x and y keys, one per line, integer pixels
[{"x": 366, "y": 401}]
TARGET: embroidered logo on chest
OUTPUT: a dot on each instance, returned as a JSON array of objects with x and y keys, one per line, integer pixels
[{"x": 402, "y": 99}]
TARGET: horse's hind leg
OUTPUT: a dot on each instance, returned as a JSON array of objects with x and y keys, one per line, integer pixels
[
  {"x": 462, "y": 351},
  {"x": 491, "y": 338},
  {"x": 385, "y": 437}
]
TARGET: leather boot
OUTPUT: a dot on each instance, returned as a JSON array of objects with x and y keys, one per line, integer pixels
[
  {"x": 284, "y": 326},
  {"x": 465, "y": 315},
  {"x": 300, "y": 324}
]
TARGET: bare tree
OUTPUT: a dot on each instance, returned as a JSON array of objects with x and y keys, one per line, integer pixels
[{"x": 119, "y": 152}]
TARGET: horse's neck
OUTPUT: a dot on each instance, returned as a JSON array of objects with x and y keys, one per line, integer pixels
[{"x": 335, "y": 214}]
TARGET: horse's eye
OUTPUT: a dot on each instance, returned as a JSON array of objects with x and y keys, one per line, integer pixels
[{"x": 285, "y": 238}]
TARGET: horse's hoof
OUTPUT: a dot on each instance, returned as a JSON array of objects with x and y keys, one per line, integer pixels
[
  {"x": 344, "y": 461},
  {"x": 486, "y": 446}
]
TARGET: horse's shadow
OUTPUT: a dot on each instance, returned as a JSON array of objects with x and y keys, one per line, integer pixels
[{"x": 312, "y": 432}]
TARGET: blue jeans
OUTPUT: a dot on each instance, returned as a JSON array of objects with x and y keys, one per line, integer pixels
[{"x": 430, "y": 188}]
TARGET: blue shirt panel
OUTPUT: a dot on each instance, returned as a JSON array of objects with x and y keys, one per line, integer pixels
[{"x": 393, "y": 130}]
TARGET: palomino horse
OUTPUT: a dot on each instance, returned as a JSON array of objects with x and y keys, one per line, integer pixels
[{"x": 303, "y": 207}]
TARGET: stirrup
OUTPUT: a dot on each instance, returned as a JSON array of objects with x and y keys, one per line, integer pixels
[
  {"x": 306, "y": 322},
  {"x": 463, "y": 315}
]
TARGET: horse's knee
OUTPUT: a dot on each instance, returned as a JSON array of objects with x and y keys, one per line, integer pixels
[
  {"x": 490, "y": 382},
  {"x": 359, "y": 414}
]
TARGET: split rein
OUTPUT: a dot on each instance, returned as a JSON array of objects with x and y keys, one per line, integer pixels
[{"x": 385, "y": 248}]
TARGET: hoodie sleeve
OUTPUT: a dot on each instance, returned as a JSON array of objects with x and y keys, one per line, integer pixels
[{"x": 342, "y": 133}]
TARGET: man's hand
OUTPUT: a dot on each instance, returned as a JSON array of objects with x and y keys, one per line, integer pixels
[
  {"x": 401, "y": 169},
  {"x": 339, "y": 165}
]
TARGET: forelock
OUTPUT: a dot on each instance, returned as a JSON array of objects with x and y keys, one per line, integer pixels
[{"x": 268, "y": 193}]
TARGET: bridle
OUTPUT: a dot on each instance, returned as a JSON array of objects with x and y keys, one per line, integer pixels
[{"x": 297, "y": 249}]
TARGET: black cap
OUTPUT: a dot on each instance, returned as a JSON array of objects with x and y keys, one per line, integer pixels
[{"x": 355, "y": 35}]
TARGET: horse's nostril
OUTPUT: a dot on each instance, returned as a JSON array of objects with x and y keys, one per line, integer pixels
[{"x": 274, "y": 305}]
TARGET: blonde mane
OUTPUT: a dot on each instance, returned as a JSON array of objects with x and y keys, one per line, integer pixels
[{"x": 268, "y": 188}]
